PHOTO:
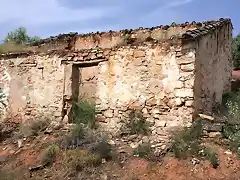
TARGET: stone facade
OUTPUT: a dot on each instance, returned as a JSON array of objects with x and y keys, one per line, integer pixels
[
  {"x": 148, "y": 78},
  {"x": 35, "y": 86},
  {"x": 213, "y": 53},
  {"x": 168, "y": 73}
]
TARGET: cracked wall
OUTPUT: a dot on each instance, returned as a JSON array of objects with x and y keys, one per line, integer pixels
[
  {"x": 36, "y": 87},
  {"x": 158, "y": 80},
  {"x": 214, "y": 68},
  {"x": 4, "y": 88},
  {"x": 168, "y": 73}
]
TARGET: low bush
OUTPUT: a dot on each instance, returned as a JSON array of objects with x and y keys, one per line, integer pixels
[
  {"x": 102, "y": 148},
  {"x": 187, "y": 141},
  {"x": 212, "y": 156},
  {"x": 231, "y": 129},
  {"x": 76, "y": 138},
  {"x": 232, "y": 133},
  {"x": 78, "y": 131},
  {"x": 84, "y": 112},
  {"x": 35, "y": 126},
  {"x": 144, "y": 151},
  {"x": 50, "y": 154},
  {"x": 78, "y": 160},
  {"x": 231, "y": 106},
  {"x": 83, "y": 137},
  {"x": 137, "y": 124}
]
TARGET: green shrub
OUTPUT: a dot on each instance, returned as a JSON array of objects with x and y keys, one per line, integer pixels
[
  {"x": 34, "y": 127},
  {"x": 103, "y": 149},
  {"x": 50, "y": 154},
  {"x": 212, "y": 156},
  {"x": 137, "y": 124},
  {"x": 38, "y": 126},
  {"x": 232, "y": 133},
  {"x": 144, "y": 151},
  {"x": 75, "y": 139},
  {"x": 78, "y": 159},
  {"x": 231, "y": 129},
  {"x": 231, "y": 103},
  {"x": 78, "y": 131},
  {"x": 187, "y": 141},
  {"x": 84, "y": 112}
]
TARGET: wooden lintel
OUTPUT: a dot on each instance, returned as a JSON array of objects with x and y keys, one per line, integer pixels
[
  {"x": 84, "y": 63},
  {"x": 89, "y": 62}
]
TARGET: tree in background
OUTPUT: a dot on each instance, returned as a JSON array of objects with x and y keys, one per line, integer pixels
[
  {"x": 236, "y": 51},
  {"x": 20, "y": 36}
]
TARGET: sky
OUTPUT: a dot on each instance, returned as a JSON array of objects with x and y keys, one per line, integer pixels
[{"x": 51, "y": 17}]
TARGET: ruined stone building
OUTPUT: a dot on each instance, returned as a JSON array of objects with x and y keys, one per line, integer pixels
[{"x": 170, "y": 73}]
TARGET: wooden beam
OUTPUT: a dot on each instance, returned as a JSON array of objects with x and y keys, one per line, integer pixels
[{"x": 84, "y": 63}]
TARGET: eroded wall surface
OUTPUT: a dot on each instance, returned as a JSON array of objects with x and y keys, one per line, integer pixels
[
  {"x": 157, "y": 80},
  {"x": 35, "y": 87},
  {"x": 117, "y": 39},
  {"x": 4, "y": 88},
  {"x": 214, "y": 68}
]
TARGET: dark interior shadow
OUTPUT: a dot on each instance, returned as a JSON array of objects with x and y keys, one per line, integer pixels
[
  {"x": 235, "y": 85},
  {"x": 75, "y": 82}
]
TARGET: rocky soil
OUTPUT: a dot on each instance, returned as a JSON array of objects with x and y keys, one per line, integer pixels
[{"x": 20, "y": 158}]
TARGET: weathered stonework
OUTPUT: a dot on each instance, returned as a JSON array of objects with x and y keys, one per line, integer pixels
[
  {"x": 35, "y": 87},
  {"x": 169, "y": 73},
  {"x": 4, "y": 88}
]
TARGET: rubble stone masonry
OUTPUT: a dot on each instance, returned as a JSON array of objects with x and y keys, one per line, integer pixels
[{"x": 168, "y": 73}]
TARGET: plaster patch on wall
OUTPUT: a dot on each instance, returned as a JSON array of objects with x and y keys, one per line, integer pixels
[
  {"x": 5, "y": 79},
  {"x": 171, "y": 70}
]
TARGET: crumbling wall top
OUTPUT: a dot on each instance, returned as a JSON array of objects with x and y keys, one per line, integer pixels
[{"x": 63, "y": 43}]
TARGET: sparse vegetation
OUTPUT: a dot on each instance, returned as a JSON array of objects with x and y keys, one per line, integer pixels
[
  {"x": 35, "y": 126},
  {"x": 76, "y": 138},
  {"x": 187, "y": 142},
  {"x": 212, "y": 156},
  {"x": 231, "y": 105},
  {"x": 143, "y": 151},
  {"x": 103, "y": 148},
  {"x": 38, "y": 126},
  {"x": 83, "y": 137},
  {"x": 11, "y": 47},
  {"x": 231, "y": 129},
  {"x": 84, "y": 112},
  {"x": 50, "y": 154},
  {"x": 232, "y": 133},
  {"x": 78, "y": 160},
  {"x": 137, "y": 124},
  {"x": 78, "y": 131}
]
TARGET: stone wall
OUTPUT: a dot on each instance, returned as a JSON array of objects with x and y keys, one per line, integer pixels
[
  {"x": 36, "y": 86},
  {"x": 4, "y": 88},
  {"x": 157, "y": 80},
  {"x": 124, "y": 37},
  {"x": 213, "y": 68},
  {"x": 168, "y": 73},
  {"x": 112, "y": 39}
]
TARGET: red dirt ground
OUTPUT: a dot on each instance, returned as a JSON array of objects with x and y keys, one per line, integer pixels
[{"x": 133, "y": 169}]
